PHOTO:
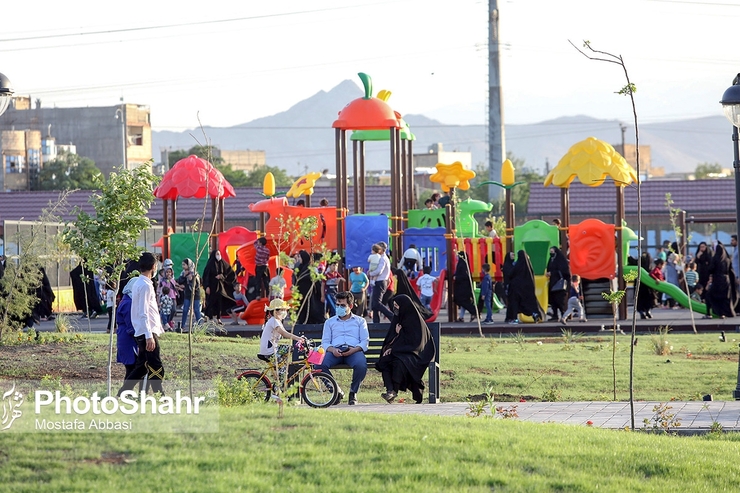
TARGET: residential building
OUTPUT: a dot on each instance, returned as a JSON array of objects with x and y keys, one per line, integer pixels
[{"x": 109, "y": 135}]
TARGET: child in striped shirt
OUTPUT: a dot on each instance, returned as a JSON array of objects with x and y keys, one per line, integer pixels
[{"x": 691, "y": 277}]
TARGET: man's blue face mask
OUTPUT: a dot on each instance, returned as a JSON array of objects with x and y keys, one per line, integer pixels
[{"x": 341, "y": 310}]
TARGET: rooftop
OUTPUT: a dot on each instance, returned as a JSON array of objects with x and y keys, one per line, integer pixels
[
  {"x": 15, "y": 206},
  {"x": 695, "y": 196}
]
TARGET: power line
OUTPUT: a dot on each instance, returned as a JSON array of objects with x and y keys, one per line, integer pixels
[{"x": 188, "y": 24}]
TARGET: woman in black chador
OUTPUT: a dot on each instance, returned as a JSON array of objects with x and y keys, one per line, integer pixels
[
  {"x": 522, "y": 294},
  {"x": 557, "y": 269},
  {"x": 407, "y": 350},
  {"x": 84, "y": 293},
  {"x": 312, "y": 308},
  {"x": 646, "y": 299},
  {"x": 721, "y": 295},
  {"x": 218, "y": 281},
  {"x": 462, "y": 288},
  {"x": 703, "y": 257}
]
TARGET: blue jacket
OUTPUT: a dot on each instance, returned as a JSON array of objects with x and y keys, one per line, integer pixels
[
  {"x": 128, "y": 349},
  {"x": 486, "y": 287}
]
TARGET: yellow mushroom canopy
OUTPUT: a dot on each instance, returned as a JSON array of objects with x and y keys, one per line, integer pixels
[{"x": 591, "y": 160}]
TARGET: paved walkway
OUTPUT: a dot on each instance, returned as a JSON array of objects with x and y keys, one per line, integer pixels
[{"x": 694, "y": 416}]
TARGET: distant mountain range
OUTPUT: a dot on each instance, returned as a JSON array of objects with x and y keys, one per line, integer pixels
[{"x": 301, "y": 138}]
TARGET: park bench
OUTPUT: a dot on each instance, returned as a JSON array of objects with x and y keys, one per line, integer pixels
[{"x": 377, "y": 335}]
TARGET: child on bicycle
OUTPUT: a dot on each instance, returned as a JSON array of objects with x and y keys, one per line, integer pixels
[{"x": 272, "y": 332}]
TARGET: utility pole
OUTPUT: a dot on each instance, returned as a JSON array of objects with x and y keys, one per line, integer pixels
[
  {"x": 496, "y": 142},
  {"x": 623, "y": 128}
]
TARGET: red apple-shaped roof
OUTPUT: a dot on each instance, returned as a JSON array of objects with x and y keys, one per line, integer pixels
[
  {"x": 193, "y": 177},
  {"x": 366, "y": 114}
]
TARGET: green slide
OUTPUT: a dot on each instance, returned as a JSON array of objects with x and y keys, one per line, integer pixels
[{"x": 665, "y": 287}]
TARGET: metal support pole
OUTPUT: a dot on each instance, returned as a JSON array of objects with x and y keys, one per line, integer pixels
[{"x": 736, "y": 165}]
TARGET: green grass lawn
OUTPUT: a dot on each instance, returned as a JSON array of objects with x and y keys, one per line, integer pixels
[
  {"x": 317, "y": 450},
  {"x": 320, "y": 450},
  {"x": 512, "y": 368}
]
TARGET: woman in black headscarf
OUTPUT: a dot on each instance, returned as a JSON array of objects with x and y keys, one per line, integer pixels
[
  {"x": 506, "y": 270},
  {"x": 646, "y": 297},
  {"x": 558, "y": 271},
  {"x": 218, "y": 281},
  {"x": 85, "y": 296},
  {"x": 522, "y": 294},
  {"x": 703, "y": 257},
  {"x": 403, "y": 286},
  {"x": 462, "y": 288},
  {"x": 311, "y": 310},
  {"x": 407, "y": 350},
  {"x": 721, "y": 295}
]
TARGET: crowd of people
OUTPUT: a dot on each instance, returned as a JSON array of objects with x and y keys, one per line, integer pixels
[{"x": 708, "y": 276}]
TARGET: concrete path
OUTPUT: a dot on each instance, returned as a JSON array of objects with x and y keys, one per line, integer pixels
[{"x": 694, "y": 416}]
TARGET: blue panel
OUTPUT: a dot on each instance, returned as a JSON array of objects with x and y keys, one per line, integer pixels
[
  {"x": 431, "y": 244},
  {"x": 361, "y": 233}
]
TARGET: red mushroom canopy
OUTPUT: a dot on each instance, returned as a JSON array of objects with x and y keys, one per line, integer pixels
[{"x": 193, "y": 177}]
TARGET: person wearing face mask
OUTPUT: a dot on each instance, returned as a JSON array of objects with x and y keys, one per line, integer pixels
[
  {"x": 273, "y": 331},
  {"x": 218, "y": 279},
  {"x": 345, "y": 339}
]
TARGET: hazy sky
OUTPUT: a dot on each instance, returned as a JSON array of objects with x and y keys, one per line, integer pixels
[{"x": 230, "y": 62}]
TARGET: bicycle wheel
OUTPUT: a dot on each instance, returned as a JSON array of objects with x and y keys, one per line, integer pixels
[
  {"x": 319, "y": 389},
  {"x": 258, "y": 386}
]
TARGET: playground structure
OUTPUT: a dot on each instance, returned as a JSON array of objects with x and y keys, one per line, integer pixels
[{"x": 438, "y": 234}]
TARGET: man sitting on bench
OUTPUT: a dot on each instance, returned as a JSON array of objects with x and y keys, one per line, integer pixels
[{"x": 345, "y": 339}]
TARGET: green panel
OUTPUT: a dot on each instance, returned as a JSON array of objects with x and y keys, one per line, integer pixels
[
  {"x": 536, "y": 237},
  {"x": 425, "y": 218},
  {"x": 183, "y": 245}
]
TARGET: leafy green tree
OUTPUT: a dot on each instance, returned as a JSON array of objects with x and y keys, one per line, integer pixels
[
  {"x": 520, "y": 193},
  {"x": 257, "y": 176},
  {"x": 237, "y": 178},
  {"x": 109, "y": 238},
  {"x": 67, "y": 172},
  {"x": 705, "y": 170},
  {"x": 204, "y": 152}
]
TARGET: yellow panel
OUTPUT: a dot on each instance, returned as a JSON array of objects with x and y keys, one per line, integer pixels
[{"x": 541, "y": 291}]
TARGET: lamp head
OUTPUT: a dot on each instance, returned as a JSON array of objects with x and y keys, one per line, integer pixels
[
  {"x": 731, "y": 102},
  {"x": 6, "y": 92}
]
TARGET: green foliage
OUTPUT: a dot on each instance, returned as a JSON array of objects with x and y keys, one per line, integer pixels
[
  {"x": 660, "y": 344},
  {"x": 707, "y": 170},
  {"x": 203, "y": 152},
  {"x": 662, "y": 421},
  {"x": 109, "y": 237},
  {"x": 68, "y": 172}
]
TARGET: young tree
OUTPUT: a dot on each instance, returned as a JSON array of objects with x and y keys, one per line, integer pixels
[
  {"x": 109, "y": 238},
  {"x": 627, "y": 90},
  {"x": 67, "y": 172}
]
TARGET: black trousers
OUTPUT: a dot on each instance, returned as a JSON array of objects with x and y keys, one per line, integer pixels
[
  {"x": 377, "y": 302},
  {"x": 147, "y": 363},
  {"x": 263, "y": 280}
]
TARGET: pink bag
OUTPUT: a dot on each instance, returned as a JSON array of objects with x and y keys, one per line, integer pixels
[{"x": 315, "y": 357}]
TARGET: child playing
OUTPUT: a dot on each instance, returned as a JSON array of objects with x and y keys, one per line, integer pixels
[
  {"x": 697, "y": 293},
  {"x": 166, "y": 305},
  {"x": 691, "y": 277},
  {"x": 486, "y": 292},
  {"x": 426, "y": 286},
  {"x": 574, "y": 300},
  {"x": 331, "y": 288},
  {"x": 241, "y": 303},
  {"x": 272, "y": 332},
  {"x": 277, "y": 285}
]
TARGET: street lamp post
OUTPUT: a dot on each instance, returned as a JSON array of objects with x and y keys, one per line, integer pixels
[
  {"x": 120, "y": 114},
  {"x": 6, "y": 93},
  {"x": 731, "y": 106}
]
